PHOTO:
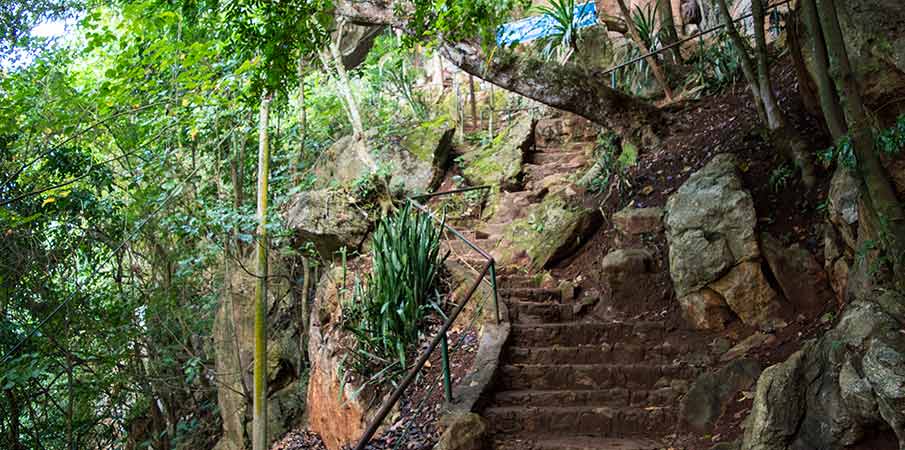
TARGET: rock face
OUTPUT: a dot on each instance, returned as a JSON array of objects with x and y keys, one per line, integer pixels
[
  {"x": 836, "y": 389},
  {"x": 552, "y": 230},
  {"x": 334, "y": 411},
  {"x": 801, "y": 278},
  {"x": 416, "y": 163},
  {"x": 710, "y": 225},
  {"x": 328, "y": 219},
  {"x": 712, "y": 391},
  {"x": 464, "y": 431},
  {"x": 233, "y": 335},
  {"x": 501, "y": 161}
]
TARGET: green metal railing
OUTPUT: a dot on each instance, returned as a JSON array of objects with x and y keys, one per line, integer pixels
[{"x": 440, "y": 340}]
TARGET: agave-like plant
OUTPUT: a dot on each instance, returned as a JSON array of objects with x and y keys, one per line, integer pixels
[
  {"x": 387, "y": 307},
  {"x": 563, "y": 42}
]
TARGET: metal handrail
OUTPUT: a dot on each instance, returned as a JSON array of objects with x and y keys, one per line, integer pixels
[{"x": 488, "y": 268}]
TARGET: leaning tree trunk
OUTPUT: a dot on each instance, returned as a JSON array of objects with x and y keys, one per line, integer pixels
[
  {"x": 829, "y": 104},
  {"x": 259, "y": 426},
  {"x": 565, "y": 87},
  {"x": 655, "y": 67},
  {"x": 344, "y": 83},
  {"x": 302, "y": 119},
  {"x": 744, "y": 59},
  {"x": 668, "y": 27},
  {"x": 878, "y": 190}
]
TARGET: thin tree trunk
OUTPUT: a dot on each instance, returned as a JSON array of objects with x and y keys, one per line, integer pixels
[
  {"x": 303, "y": 334},
  {"x": 474, "y": 103},
  {"x": 302, "y": 124},
  {"x": 775, "y": 119},
  {"x": 878, "y": 190},
  {"x": 805, "y": 83},
  {"x": 747, "y": 64},
  {"x": 659, "y": 74},
  {"x": 829, "y": 103},
  {"x": 668, "y": 26},
  {"x": 259, "y": 425},
  {"x": 345, "y": 84}
]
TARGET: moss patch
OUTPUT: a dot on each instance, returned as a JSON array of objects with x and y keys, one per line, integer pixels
[{"x": 500, "y": 162}]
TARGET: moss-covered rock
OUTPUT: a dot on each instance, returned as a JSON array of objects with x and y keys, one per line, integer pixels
[
  {"x": 553, "y": 229},
  {"x": 328, "y": 219},
  {"x": 500, "y": 162}
]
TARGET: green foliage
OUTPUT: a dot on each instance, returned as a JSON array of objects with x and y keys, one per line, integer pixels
[
  {"x": 387, "y": 308},
  {"x": 716, "y": 66},
  {"x": 456, "y": 20},
  {"x": 891, "y": 141},
  {"x": 781, "y": 176},
  {"x": 566, "y": 35},
  {"x": 612, "y": 160}
]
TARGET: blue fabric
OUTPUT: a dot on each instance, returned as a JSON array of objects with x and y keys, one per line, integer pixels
[{"x": 537, "y": 27}]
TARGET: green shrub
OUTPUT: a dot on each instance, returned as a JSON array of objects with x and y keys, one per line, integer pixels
[{"x": 387, "y": 307}]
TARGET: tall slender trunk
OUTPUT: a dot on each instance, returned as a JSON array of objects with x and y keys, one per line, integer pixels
[
  {"x": 302, "y": 123},
  {"x": 876, "y": 187},
  {"x": 655, "y": 67},
  {"x": 345, "y": 84},
  {"x": 829, "y": 102},
  {"x": 474, "y": 103},
  {"x": 259, "y": 426},
  {"x": 744, "y": 59},
  {"x": 775, "y": 119},
  {"x": 668, "y": 28}
]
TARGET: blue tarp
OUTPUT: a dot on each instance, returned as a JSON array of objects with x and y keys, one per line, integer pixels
[{"x": 537, "y": 27}]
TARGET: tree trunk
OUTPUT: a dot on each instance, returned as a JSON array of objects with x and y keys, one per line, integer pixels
[
  {"x": 744, "y": 59},
  {"x": 302, "y": 125},
  {"x": 474, "y": 103},
  {"x": 876, "y": 187},
  {"x": 668, "y": 27},
  {"x": 259, "y": 426},
  {"x": 805, "y": 82},
  {"x": 829, "y": 102},
  {"x": 651, "y": 60},
  {"x": 566, "y": 87},
  {"x": 345, "y": 84}
]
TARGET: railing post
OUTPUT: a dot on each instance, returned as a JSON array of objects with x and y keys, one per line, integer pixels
[
  {"x": 444, "y": 355},
  {"x": 496, "y": 298}
]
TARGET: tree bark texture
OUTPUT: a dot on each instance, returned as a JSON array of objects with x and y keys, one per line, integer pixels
[{"x": 259, "y": 401}]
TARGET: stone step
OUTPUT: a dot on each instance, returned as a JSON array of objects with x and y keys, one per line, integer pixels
[
  {"x": 583, "y": 333},
  {"x": 613, "y": 397},
  {"x": 461, "y": 249},
  {"x": 552, "y": 157},
  {"x": 603, "y": 421},
  {"x": 590, "y": 376},
  {"x": 519, "y": 281},
  {"x": 534, "y": 294},
  {"x": 574, "y": 442},
  {"x": 618, "y": 352},
  {"x": 539, "y": 312}
]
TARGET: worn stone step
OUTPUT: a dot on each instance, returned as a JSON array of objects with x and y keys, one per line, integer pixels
[
  {"x": 519, "y": 281},
  {"x": 539, "y": 312},
  {"x": 613, "y": 397},
  {"x": 573, "y": 442},
  {"x": 534, "y": 294},
  {"x": 603, "y": 421},
  {"x": 552, "y": 157},
  {"x": 615, "y": 353},
  {"x": 590, "y": 376},
  {"x": 584, "y": 333}
]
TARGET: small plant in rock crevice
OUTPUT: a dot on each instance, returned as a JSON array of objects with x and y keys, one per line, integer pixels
[
  {"x": 388, "y": 305},
  {"x": 781, "y": 176}
]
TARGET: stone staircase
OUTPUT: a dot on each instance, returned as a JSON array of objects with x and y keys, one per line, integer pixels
[{"x": 567, "y": 381}]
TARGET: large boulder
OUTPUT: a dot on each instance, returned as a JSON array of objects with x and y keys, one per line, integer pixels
[
  {"x": 500, "y": 162},
  {"x": 710, "y": 227},
  {"x": 712, "y": 392},
  {"x": 233, "y": 341},
  {"x": 328, "y": 219},
  {"x": 552, "y": 230},
  {"x": 840, "y": 387},
  {"x": 415, "y": 162}
]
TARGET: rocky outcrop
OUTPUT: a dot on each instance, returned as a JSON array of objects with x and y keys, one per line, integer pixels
[
  {"x": 835, "y": 389},
  {"x": 233, "y": 340},
  {"x": 710, "y": 393},
  {"x": 414, "y": 162},
  {"x": 327, "y": 219},
  {"x": 500, "y": 162},
  {"x": 634, "y": 221},
  {"x": 710, "y": 227},
  {"x": 338, "y": 408},
  {"x": 464, "y": 431},
  {"x": 553, "y": 229}
]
